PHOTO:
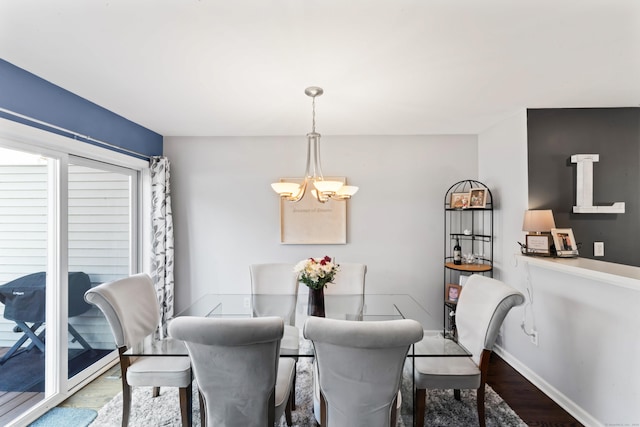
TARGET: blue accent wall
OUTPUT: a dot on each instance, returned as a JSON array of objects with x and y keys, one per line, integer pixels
[{"x": 30, "y": 95}]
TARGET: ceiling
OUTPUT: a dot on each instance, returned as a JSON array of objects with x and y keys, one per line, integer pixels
[{"x": 402, "y": 67}]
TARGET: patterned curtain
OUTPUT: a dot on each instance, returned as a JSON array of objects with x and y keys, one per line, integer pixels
[{"x": 162, "y": 246}]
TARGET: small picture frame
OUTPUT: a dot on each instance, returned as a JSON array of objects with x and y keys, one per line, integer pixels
[
  {"x": 459, "y": 200},
  {"x": 564, "y": 242},
  {"x": 452, "y": 292},
  {"x": 478, "y": 198},
  {"x": 538, "y": 244}
]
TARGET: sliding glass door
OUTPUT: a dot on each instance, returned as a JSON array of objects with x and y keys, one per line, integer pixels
[
  {"x": 25, "y": 193},
  {"x": 66, "y": 224},
  {"x": 101, "y": 212}
]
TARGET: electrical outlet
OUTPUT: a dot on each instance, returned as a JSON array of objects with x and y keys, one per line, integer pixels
[
  {"x": 534, "y": 337},
  {"x": 598, "y": 248},
  {"x": 247, "y": 302}
]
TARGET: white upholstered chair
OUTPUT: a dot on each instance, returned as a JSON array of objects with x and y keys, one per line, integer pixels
[
  {"x": 360, "y": 368},
  {"x": 131, "y": 307},
  {"x": 274, "y": 290},
  {"x": 241, "y": 378},
  {"x": 482, "y": 306}
]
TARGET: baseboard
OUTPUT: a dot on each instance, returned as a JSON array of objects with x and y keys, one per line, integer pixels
[{"x": 554, "y": 394}]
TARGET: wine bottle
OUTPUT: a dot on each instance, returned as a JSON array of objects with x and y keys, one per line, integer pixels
[{"x": 457, "y": 253}]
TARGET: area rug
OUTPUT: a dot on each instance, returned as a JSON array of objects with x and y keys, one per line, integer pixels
[
  {"x": 25, "y": 371},
  {"x": 442, "y": 408},
  {"x": 66, "y": 417}
]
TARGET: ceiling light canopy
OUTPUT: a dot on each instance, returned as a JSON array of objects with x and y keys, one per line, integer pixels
[{"x": 322, "y": 189}]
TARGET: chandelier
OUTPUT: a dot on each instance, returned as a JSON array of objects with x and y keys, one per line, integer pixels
[{"x": 322, "y": 189}]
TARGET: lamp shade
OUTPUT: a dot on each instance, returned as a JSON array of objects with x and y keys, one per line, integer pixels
[
  {"x": 287, "y": 188},
  {"x": 538, "y": 221}
]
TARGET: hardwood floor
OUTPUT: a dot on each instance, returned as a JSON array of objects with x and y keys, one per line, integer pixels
[{"x": 533, "y": 406}]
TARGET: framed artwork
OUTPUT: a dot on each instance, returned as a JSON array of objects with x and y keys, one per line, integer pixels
[
  {"x": 459, "y": 200},
  {"x": 538, "y": 244},
  {"x": 564, "y": 242},
  {"x": 477, "y": 198},
  {"x": 452, "y": 292},
  {"x": 309, "y": 222}
]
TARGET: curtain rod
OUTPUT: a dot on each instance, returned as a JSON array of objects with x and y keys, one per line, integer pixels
[{"x": 76, "y": 135}]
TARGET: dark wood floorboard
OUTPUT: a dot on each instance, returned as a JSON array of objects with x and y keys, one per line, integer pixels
[{"x": 532, "y": 405}]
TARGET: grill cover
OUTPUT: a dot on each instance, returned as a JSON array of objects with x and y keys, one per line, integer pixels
[{"x": 24, "y": 298}]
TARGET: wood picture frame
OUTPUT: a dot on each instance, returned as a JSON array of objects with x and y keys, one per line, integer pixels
[
  {"x": 538, "y": 244},
  {"x": 565, "y": 242},
  {"x": 452, "y": 293},
  {"x": 459, "y": 200},
  {"x": 309, "y": 222},
  {"x": 478, "y": 198}
]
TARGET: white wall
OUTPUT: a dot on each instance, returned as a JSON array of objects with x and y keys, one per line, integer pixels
[
  {"x": 226, "y": 216},
  {"x": 588, "y": 349}
]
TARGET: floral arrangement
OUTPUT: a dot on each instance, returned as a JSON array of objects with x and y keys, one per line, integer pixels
[{"x": 316, "y": 272}]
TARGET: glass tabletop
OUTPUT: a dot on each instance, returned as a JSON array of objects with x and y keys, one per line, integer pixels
[{"x": 293, "y": 310}]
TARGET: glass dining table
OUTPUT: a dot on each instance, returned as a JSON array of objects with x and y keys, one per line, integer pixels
[{"x": 292, "y": 308}]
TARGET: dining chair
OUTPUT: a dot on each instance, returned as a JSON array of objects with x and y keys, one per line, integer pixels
[
  {"x": 131, "y": 308},
  {"x": 274, "y": 292},
  {"x": 360, "y": 368},
  {"x": 482, "y": 307},
  {"x": 349, "y": 282},
  {"x": 241, "y": 377}
]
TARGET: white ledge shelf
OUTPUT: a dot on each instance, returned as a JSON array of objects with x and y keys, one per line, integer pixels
[{"x": 625, "y": 276}]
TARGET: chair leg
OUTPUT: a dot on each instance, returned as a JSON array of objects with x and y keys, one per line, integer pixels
[
  {"x": 292, "y": 396},
  {"x": 186, "y": 401},
  {"x": 323, "y": 411},
  {"x": 393, "y": 422},
  {"x": 126, "y": 389},
  {"x": 203, "y": 410},
  {"x": 420, "y": 404},
  {"x": 287, "y": 412},
  {"x": 156, "y": 392},
  {"x": 126, "y": 402},
  {"x": 456, "y": 394},
  {"x": 480, "y": 403}
]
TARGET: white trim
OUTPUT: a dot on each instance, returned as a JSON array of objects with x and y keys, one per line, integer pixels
[
  {"x": 625, "y": 276},
  {"x": 553, "y": 393},
  {"x": 16, "y": 134}
]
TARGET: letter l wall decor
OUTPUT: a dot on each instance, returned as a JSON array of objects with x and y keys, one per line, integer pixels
[{"x": 584, "y": 187}]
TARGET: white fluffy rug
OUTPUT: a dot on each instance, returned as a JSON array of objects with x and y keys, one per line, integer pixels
[{"x": 442, "y": 408}]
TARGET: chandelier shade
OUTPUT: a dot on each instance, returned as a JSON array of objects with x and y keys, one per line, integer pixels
[{"x": 321, "y": 189}]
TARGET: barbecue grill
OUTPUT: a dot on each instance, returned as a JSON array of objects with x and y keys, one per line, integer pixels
[{"x": 24, "y": 301}]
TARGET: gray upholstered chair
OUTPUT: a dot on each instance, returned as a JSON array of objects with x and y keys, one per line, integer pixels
[
  {"x": 482, "y": 306},
  {"x": 274, "y": 292},
  {"x": 349, "y": 282},
  {"x": 131, "y": 307},
  {"x": 241, "y": 378},
  {"x": 349, "y": 285},
  {"x": 271, "y": 284},
  {"x": 360, "y": 368}
]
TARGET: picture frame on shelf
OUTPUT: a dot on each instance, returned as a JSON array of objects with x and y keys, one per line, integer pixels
[
  {"x": 452, "y": 292},
  {"x": 538, "y": 244},
  {"x": 478, "y": 198},
  {"x": 565, "y": 242},
  {"x": 459, "y": 200}
]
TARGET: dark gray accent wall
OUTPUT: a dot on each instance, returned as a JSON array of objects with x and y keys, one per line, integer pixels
[{"x": 554, "y": 135}]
